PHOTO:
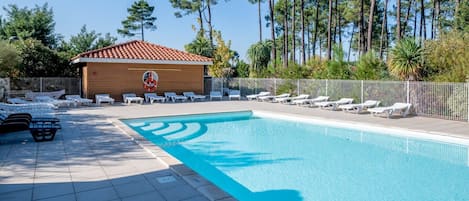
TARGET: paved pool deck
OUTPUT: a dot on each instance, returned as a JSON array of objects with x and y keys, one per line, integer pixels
[{"x": 95, "y": 157}]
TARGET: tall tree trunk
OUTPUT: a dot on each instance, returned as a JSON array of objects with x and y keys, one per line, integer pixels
[
  {"x": 260, "y": 19},
  {"x": 308, "y": 33},
  {"x": 316, "y": 26},
  {"x": 336, "y": 15},
  {"x": 423, "y": 34},
  {"x": 362, "y": 27},
  {"x": 406, "y": 20},
  {"x": 370, "y": 26},
  {"x": 329, "y": 29},
  {"x": 350, "y": 44},
  {"x": 285, "y": 35},
  {"x": 303, "y": 53},
  {"x": 433, "y": 20},
  {"x": 456, "y": 7},
  {"x": 141, "y": 27},
  {"x": 339, "y": 25},
  {"x": 438, "y": 23},
  {"x": 293, "y": 32},
  {"x": 201, "y": 21},
  {"x": 398, "y": 20},
  {"x": 272, "y": 32},
  {"x": 383, "y": 29},
  {"x": 209, "y": 22},
  {"x": 415, "y": 19}
]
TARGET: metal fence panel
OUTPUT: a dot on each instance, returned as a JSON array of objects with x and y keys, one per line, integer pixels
[
  {"x": 439, "y": 100},
  {"x": 4, "y": 88},
  {"x": 18, "y": 87}
]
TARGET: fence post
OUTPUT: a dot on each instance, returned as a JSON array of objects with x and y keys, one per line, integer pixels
[
  {"x": 467, "y": 100},
  {"x": 361, "y": 95},
  {"x": 408, "y": 91},
  {"x": 327, "y": 83},
  {"x": 298, "y": 87},
  {"x": 40, "y": 84},
  {"x": 239, "y": 85},
  {"x": 275, "y": 86}
]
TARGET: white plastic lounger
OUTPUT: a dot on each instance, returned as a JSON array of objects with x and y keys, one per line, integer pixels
[
  {"x": 334, "y": 104},
  {"x": 18, "y": 101},
  {"x": 359, "y": 107},
  {"x": 131, "y": 97},
  {"x": 256, "y": 96},
  {"x": 286, "y": 100},
  {"x": 402, "y": 108},
  {"x": 103, "y": 98},
  {"x": 172, "y": 96},
  {"x": 192, "y": 96},
  {"x": 215, "y": 94},
  {"x": 271, "y": 98},
  {"x": 58, "y": 103},
  {"x": 78, "y": 99},
  {"x": 152, "y": 97},
  {"x": 234, "y": 94},
  {"x": 310, "y": 102}
]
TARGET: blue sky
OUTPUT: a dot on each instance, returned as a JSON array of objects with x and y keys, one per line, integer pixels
[{"x": 236, "y": 19}]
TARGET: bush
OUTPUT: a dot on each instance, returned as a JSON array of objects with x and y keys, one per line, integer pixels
[{"x": 370, "y": 67}]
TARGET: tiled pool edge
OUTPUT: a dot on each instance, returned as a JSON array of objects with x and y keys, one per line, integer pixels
[{"x": 202, "y": 185}]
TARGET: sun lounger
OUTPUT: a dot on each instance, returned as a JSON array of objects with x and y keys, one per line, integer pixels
[
  {"x": 359, "y": 107},
  {"x": 131, "y": 97},
  {"x": 256, "y": 96},
  {"x": 56, "y": 102},
  {"x": 310, "y": 102},
  {"x": 172, "y": 96},
  {"x": 234, "y": 94},
  {"x": 286, "y": 100},
  {"x": 216, "y": 94},
  {"x": 152, "y": 97},
  {"x": 402, "y": 108},
  {"x": 17, "y": 101},
  {"x": 333, "y": 105},
  {"x": 192, "y": 96},
  {"x": 78, "y": 99},
  {"x": 271, "y": 98},
  {"x": 103, "y": 98}
]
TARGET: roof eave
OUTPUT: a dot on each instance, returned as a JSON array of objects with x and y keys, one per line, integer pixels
[{"x": 139, "y": 61}]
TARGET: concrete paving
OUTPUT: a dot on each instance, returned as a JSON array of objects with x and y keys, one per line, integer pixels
[{"x": 95, "y": 157}]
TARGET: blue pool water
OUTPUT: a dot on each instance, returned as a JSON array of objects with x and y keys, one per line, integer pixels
[{"x": 258, "y": 158}]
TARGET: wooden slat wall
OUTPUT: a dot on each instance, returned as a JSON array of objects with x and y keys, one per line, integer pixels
[
  {"x": 116, "y": 79},
  {"x": 84, "y": 81}
]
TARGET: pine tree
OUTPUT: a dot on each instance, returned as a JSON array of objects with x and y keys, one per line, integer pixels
[{"x": 140, "y": 18}]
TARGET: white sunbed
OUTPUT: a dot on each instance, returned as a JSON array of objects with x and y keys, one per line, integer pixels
[
  {"x": 216, "y": 94},
  {"x": 56, "y": 102},
  {"x": 192, "y": 96},
  {"x": 359, "y": 107},
  {"x": 131, "y": 97},
  {"x": 286, "y": 100},
  {"x": 152, "y": 97},
  {"x": 103, "y": 98},
  {"x": 333, "y": 104},
  {"x": 18, "y": 101},
  {"x": 310, "y": 101},
  {"x": 78, "y": 99},
  {"x": 271, "y": 98},
  {"x": 172, "y": 96},
  {"x": 402, "y": 108},
  {"x": 256, "y": 96},
  {"x": 234, "y": 94}
]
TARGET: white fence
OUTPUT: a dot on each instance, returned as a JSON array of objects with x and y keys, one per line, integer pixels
[
  {"x": 432, "y": 99},
  {"x": 14, "y": 87}
]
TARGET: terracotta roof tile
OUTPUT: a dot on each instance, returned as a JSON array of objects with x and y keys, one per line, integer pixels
[{"x": 142, "y": 50}]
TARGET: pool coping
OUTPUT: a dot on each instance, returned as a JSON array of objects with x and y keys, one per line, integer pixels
[
  {"x": 202, "y": 185},
  {"x": 214, "y": 193}
]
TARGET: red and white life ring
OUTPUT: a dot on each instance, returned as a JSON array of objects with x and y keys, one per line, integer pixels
[{"x": 150, "y": 81}]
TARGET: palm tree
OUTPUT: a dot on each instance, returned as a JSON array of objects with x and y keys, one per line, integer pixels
[
  {"x": 405, "y": 59},
  {"x": 259, "y": 56}
]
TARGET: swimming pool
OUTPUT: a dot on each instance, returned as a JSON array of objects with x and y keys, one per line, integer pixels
[{"x": 261, "y": 157}]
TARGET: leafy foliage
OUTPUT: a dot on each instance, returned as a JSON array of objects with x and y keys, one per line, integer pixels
[
  {"x": 259, "y": 56},
  {"x": 446, "y": 57},
  {"x": 9, "y": 60},
  {"x": 370, "y": 67},
  {"x": 23, "y": 23},
  {"x": 140, "y": 18},
  {"x": 200, "y": 46},
  {"x": 337, "y": 68},
  {"x": 405, "y": 60},
  {"x": 221, "y": 58},
  {"x": 242, "y": 69},
  {"x": 86, "y": 41}
]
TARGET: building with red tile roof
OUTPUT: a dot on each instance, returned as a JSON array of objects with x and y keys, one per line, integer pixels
[{"x": 140, "y": 67}]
